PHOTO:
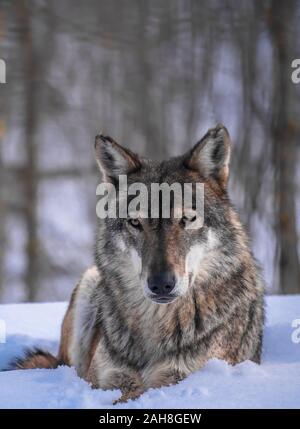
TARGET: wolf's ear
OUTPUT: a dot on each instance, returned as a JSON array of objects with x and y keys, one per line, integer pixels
[
  {"x": 114, "y": 159},
  {"x": 211, "y": 155}
]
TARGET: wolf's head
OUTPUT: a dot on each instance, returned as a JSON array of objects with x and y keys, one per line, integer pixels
[{"x": 163, "y": 257}]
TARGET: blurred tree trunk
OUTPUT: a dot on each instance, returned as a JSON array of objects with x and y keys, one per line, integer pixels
[
  {"x": 285, "y": 133},
  {"x": 30, "y": 171},
  {"x": 2, "y": 202},
  {"x": 147, "y": 116}
]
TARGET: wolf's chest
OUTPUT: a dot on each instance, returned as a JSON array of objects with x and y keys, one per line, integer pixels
[{"x": 143, "y": 340}]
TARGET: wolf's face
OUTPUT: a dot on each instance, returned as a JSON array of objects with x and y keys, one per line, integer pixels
[{"x": 166, "y": 255}]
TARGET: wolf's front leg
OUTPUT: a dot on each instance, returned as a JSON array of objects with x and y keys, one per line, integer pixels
[
  {"x": 131, "y": 386},
  {"x": 162, "y": 374},
  {"x": 106, "y": 374}
]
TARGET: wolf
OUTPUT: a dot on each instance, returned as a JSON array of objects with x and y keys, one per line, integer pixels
[{"x": 162, "y": 299}]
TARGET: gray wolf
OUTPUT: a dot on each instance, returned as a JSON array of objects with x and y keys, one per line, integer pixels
[{"x": 162, "y": 299}]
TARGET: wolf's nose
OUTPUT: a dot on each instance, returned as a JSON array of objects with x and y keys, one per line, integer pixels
[{"x": 162, "y": 284}]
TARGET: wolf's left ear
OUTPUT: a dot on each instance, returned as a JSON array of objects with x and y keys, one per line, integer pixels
[
  {"x": 211, "y": 155},
  {"x": 113, "y": 159}
]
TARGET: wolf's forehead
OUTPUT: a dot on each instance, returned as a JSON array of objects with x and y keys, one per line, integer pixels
[{"x": 171, "y": 171}]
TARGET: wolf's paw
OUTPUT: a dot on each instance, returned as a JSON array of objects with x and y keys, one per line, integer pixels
[{"x": 126, "y": 396}]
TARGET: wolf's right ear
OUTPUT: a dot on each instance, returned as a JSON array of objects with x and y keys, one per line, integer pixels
[
  {"x": 211, "y": 155},
  {"x": 113, "y": 159}
]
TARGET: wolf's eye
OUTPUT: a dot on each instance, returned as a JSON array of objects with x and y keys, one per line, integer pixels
[
  {"x": 186, "y": 220},
  {"x": 135, "y": 223}
]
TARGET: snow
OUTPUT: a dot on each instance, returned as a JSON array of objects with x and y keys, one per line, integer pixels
[{"x": 273, "y": 384}]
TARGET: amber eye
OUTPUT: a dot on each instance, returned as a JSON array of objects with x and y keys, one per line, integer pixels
[
  {"x": 185, "y": 220},
  {"x": 134, "y": 222}
]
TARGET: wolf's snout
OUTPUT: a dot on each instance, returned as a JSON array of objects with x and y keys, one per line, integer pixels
[{"x": 161, "y": 284}]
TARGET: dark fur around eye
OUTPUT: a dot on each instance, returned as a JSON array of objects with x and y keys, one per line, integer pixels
[
  {"x": 135, "y": 223},
  {"x": 184, "y": 220}
]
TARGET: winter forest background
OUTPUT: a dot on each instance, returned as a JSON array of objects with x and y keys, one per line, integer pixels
[{"x": 154, "y": 75}]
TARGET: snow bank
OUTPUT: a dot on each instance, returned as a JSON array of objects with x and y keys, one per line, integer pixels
[{"x": 274, "y": 384}]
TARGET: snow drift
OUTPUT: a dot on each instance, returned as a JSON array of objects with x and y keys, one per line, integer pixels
[{"x": 273, "y": 384}]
